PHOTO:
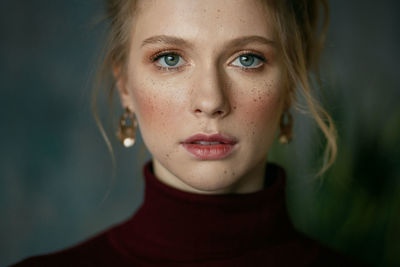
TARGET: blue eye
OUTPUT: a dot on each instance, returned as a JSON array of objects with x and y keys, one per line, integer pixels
[
  {"x": 248, "y": 61},
  {"x": 170, "y": 60}
]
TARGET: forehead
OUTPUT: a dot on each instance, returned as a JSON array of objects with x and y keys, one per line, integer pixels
[{"x": 202, "y": 20}]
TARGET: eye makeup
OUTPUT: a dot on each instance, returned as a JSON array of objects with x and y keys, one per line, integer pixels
[
  {"x": 164, "y": 53},
  {"x": 158, "y": 60},
  {"x": 257, "y": 57}
]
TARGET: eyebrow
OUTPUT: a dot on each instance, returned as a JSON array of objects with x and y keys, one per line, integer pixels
[
  {"x": 165, "y": 39},
  {"x": 242, "y": 41},
  {"x": 177, "y": 41}
]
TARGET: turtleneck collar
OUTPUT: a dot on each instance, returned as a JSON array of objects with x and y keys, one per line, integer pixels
[{"x": 175, "y": 225}]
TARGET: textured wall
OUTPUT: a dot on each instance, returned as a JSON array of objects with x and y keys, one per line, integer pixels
[{"x": 55, "y": 168}]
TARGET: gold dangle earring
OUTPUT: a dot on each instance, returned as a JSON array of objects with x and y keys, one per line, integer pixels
[
  {"x": 127, "y": 128},
  {"x": 286, "y": 127}
]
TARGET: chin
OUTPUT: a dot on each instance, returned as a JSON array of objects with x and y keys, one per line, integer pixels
[
  {"x": 209, "y": 177},
  {"x": 209, "y": 186}
]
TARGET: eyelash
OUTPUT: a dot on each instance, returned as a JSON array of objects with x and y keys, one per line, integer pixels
[
  {"x": 159, "y": 55},
  {"x": 254, "y": 54}
]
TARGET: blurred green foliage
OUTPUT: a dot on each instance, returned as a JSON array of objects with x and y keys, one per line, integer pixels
[{"x": 355, "y": 206}]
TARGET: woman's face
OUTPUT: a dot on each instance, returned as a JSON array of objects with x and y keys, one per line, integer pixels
[{"x": 205, "y": 81}]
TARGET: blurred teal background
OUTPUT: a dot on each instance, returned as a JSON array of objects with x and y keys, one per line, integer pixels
[{"x": 55, "y": 168}]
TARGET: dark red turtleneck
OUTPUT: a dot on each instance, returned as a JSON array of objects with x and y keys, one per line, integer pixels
[{"x": 176, "y": 228}]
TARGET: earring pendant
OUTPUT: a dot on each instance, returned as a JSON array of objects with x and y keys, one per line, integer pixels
[{"x": 127, "y": 128}]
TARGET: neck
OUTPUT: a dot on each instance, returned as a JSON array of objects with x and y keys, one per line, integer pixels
[
  {"x": 250, "y": 182},
  {"x": 202, "y": 226}
]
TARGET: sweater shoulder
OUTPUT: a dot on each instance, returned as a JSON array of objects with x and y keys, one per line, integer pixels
[
  {"x": 320, "y": 254},
  {"x": 95, "y": 251}
]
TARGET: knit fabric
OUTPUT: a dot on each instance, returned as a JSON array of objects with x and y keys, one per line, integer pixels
[{"x": 176, "y": 228}]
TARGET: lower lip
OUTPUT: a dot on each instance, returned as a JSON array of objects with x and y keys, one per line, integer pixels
[{"x": 209, "y": 152}]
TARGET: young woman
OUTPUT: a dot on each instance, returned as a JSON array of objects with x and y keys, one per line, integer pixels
[{"x": 210, "y": 83}]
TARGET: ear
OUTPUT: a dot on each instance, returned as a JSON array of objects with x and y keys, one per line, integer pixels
[
  {"x": 121, "y": 84},
  {"x": 287, "y": 99}
]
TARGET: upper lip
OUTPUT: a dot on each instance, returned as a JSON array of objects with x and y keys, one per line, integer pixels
[{"x": 225, "y": 139}]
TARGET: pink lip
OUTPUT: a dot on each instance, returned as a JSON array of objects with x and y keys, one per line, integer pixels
[{"x": 212, "y": 151}]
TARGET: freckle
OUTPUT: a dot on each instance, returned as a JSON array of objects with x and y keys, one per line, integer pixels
[
  {"x": 254, "y": 133},
  {"x": 259, "y": 97},
  {"x": 234, "y": 107},
  {"x": 225, "y": 171},
  {"x": 233, "y": 173},
  {"x": 167, "y": 155},
  {"x": 255, "y": 100}
]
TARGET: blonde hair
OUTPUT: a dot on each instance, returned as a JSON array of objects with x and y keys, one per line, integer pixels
[{"x": 300, "y": 35}]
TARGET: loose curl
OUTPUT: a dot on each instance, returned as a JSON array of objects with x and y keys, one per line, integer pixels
[{"x": 300, "y": 36}]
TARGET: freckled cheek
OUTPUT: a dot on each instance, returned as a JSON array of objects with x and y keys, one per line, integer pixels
[
  {"x": 260, "y": 112},
  {"x": 155, "y": 111}
]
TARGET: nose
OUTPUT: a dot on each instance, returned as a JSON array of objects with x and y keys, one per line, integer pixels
[{"x": 210, "y": 94}]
